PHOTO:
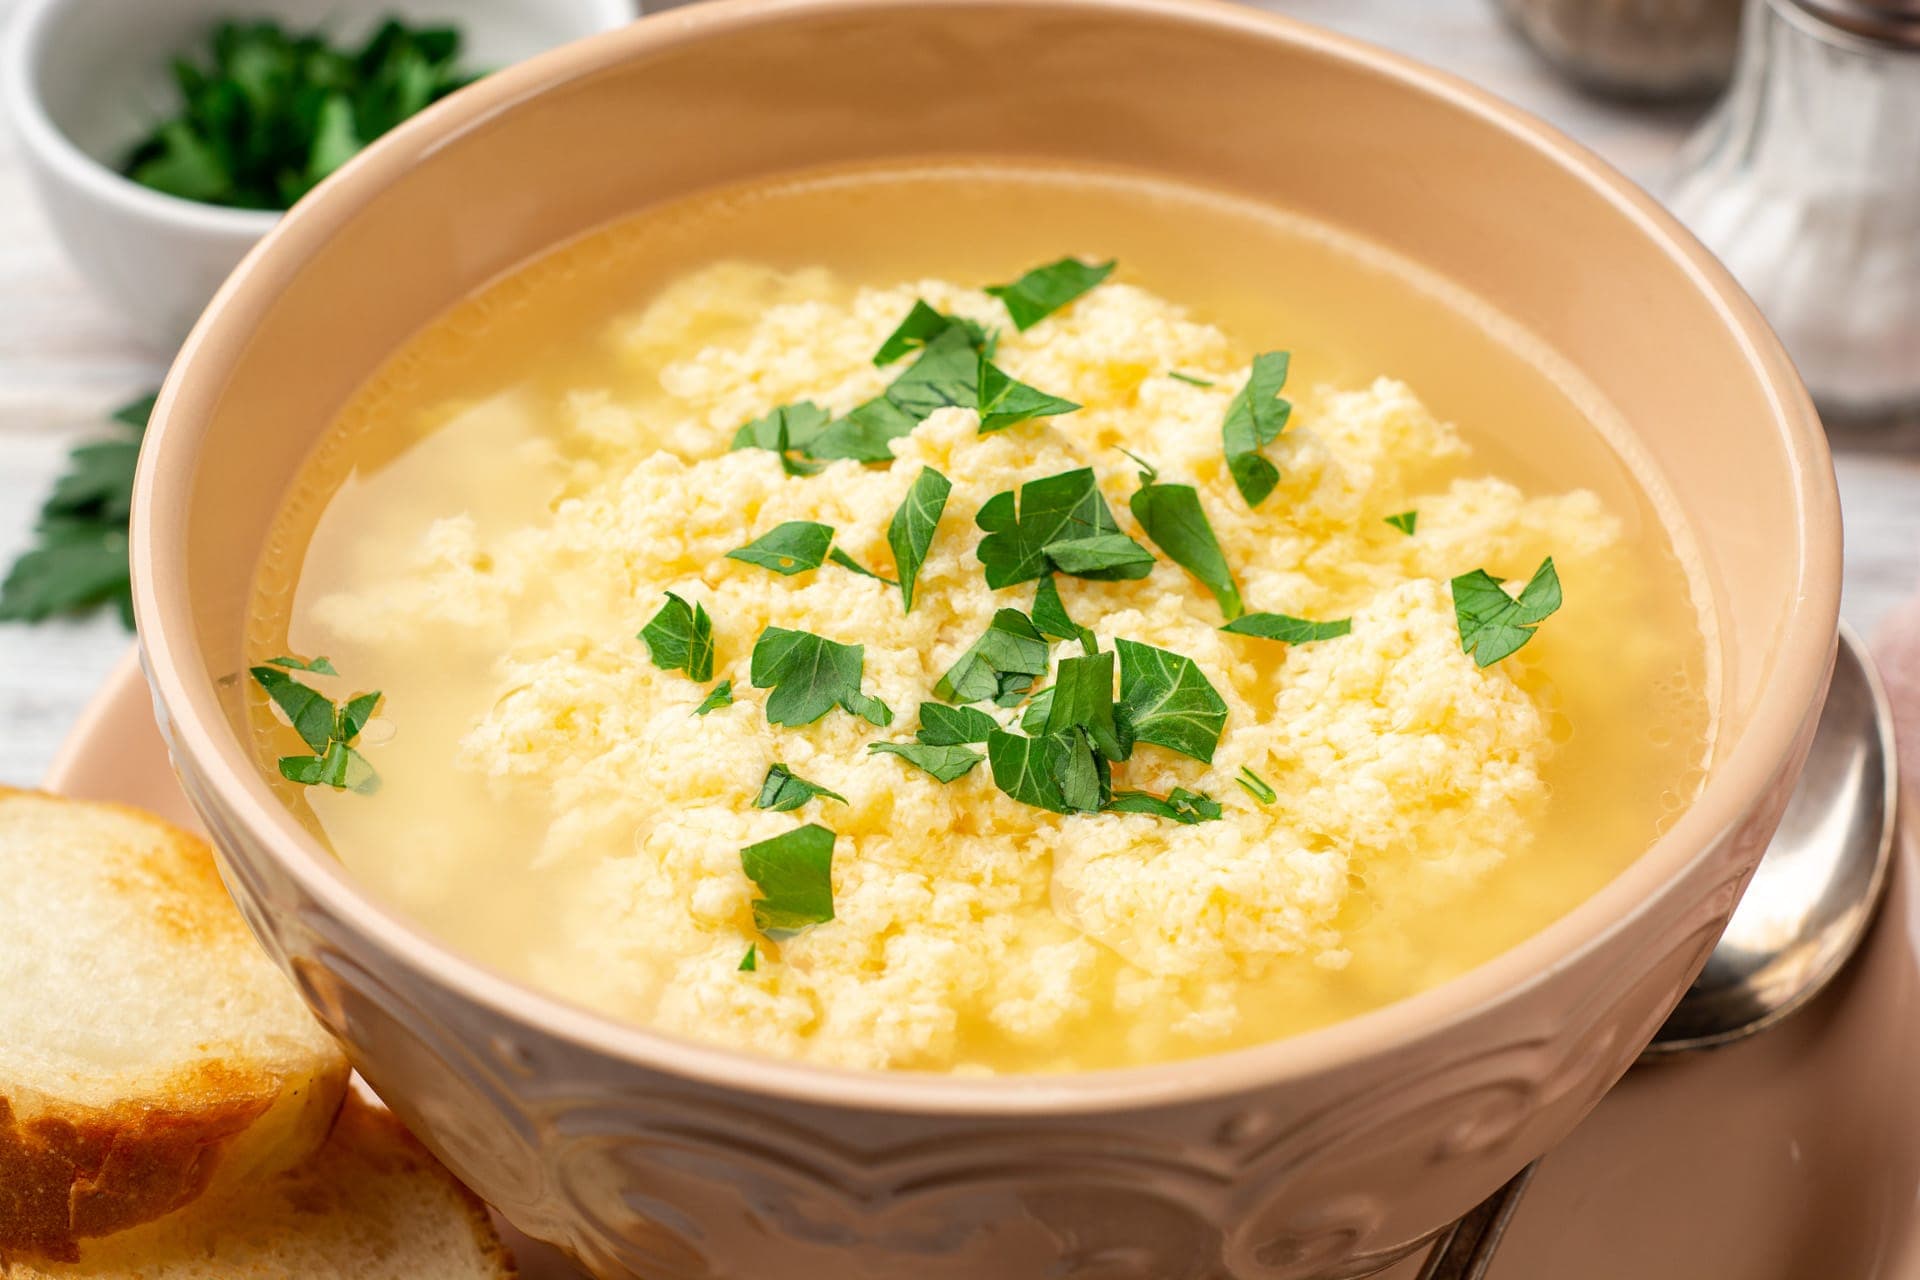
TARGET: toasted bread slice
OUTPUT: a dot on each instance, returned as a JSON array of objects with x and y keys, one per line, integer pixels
[
  {"x": 150, "y": 1053},
  {"x": 372, "y": 1205}
]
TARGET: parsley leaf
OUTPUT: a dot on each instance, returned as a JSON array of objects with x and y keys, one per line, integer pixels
[
  {"x": 1166, "y": 700},
  {"x": 1256, "y": 786},
  {"x": 750, "y": 962},
  {"x": 1493, "y": 624},
  {"x": 329, "y": 730},
  {"x": 339, "y": 766},
  {"x": 923, "y": 324},
  {"x": 1255, "y": 419},
  {"x": 1405, "y": 521},
  {"x": 810, "y": 675},
  {"x": 680, "y": 638},
  {"x": 1050, "y": 615},
  {"x": 1181, "y": 805},
  {"x": 79, "y": 556},
  {"x": 1030, "y": 769},
  {"x": 947, "y": 762},
  {"x": 1062, "y": 522},
  {"x": 846, "y": 561},
  {"x": 1000, "y": 666},
  {"x": 794, "y": 873},
  {"x": 310, "y": 712},
  {"x": 793, "y": 547},
  {"x": 720, "y": 696},
  {"x": 783, "y": 790},
  {"x": 910, "y": 533},
  {"x": 319, "y": 666},
  {"x": 1044, "y": 290},
  {"x": 788, "y": 430},
  {"x": 1082, "y": 698},
  {"x": 946, "y": 374},
  {"x": 1104, "y": 555},
  {"x": 1005, "y": 401},
  {"x": 1287, "y": 629},
  {"x": 1172, "y": 517},
  {"x": 944, "y": 726},
  {"x": 1190, "y": 379}
]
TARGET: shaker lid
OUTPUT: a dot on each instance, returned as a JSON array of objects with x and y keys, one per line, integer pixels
[{"x": 1894, "y": 22}]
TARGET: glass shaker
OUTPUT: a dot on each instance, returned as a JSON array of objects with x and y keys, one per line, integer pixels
[{"x": 1806, "y": 182}]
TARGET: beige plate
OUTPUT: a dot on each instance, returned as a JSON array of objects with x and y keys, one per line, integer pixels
[{"x": 1795, "y": 1155}]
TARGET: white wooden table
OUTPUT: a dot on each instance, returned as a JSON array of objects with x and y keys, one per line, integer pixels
[{"x": 65, "y": 362}]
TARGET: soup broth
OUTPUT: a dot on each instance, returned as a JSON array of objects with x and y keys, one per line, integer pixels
[{"x": 473, "y": 539}]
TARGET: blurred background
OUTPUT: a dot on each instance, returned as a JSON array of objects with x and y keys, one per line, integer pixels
[{"x": 1805, "y": 177}]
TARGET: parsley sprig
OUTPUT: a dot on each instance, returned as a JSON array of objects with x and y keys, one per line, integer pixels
[
  {"x": 1493, "y": 625},
  {"x": 79, "y": 557},
  {"x": 810, "y": 676},
  {"x": 1044, "y": 290},
  {"x": 329, "y": 729},
  {"x": 1059, "y": 523},
  {"x": 1175, "y": 521},
  {"x": 1255, "y": 418},
  {"x": 794, "y": 873}
]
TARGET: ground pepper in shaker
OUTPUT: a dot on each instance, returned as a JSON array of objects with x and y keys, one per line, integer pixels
[{"x": 1806, "y": 182}]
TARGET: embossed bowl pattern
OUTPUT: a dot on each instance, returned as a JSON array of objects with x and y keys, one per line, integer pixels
[{"x": 1328, "y": 1154}]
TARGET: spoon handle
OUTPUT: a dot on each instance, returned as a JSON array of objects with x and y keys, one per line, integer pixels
[{"x": 1465, "y": 1251}]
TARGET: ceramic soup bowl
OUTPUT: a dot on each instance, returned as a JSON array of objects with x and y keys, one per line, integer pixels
[{"x": 1328, "y": 1154}]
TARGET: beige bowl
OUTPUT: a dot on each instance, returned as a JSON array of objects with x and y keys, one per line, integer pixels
[{"x": 1328, "y": 1154}]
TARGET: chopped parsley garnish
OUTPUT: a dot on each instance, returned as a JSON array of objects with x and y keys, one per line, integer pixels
[
  {"x": 788, "y": 431},
  {"x": 793, "y": 547},
  {"x": 1050, "y": 615},
  {"x": 270, "y": 111},
  {"x": 783, "y": 790},
  {"x": 1172, "y": 517},
  {"x": 1493, "y": 625},
  {"x": 1044, "y": 290},
  {"x": 319, "y": 666},
  {"x": 680, "y": 638},
  {"x": 1056, "y": 772},
  {"x": 720, "y": 696},
  {"x": 1256, "y": 786},
  {"x": 329, "y": 729},
  {"x": 1000, "y": 666},
  {"x": 946, "y": 762},
  {"x": 79, "y": 555},
  {"x": 1287, "y": 629},
  {"x": 1190, "y": 379},
  {"x": 945, "y": 726},
  {"x": 810, "y": 675},
  {"x": 750, "y": 961},
  {"x": 1082, "y": 699},
  {"x": 794, "y": 873},
  {"x": 1405, "y": 521},
  {"x": 923, "y": 324},
  {"x": 911, "y": 531},
  {"x": 946, "y": 374},
  {"x": 1005, "y": 401},
  {"x": 1061, "y": 522},
  {"x": 846, "y": 561},
  {"x": 1255, "y": 419},
  {"x": 1166, "y": 700},
  {"x": 1181, "y": 805}
]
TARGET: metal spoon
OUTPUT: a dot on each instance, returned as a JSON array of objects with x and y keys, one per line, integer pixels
[{"x": 1803, "y": 917}]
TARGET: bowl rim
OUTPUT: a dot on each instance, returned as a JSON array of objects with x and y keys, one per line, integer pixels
[
  {"x": 24, "y": 42},
  {"x": 201, "y": 730}
]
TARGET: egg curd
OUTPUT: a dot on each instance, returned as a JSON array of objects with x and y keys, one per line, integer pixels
[{"x": 552, "y": 782}]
